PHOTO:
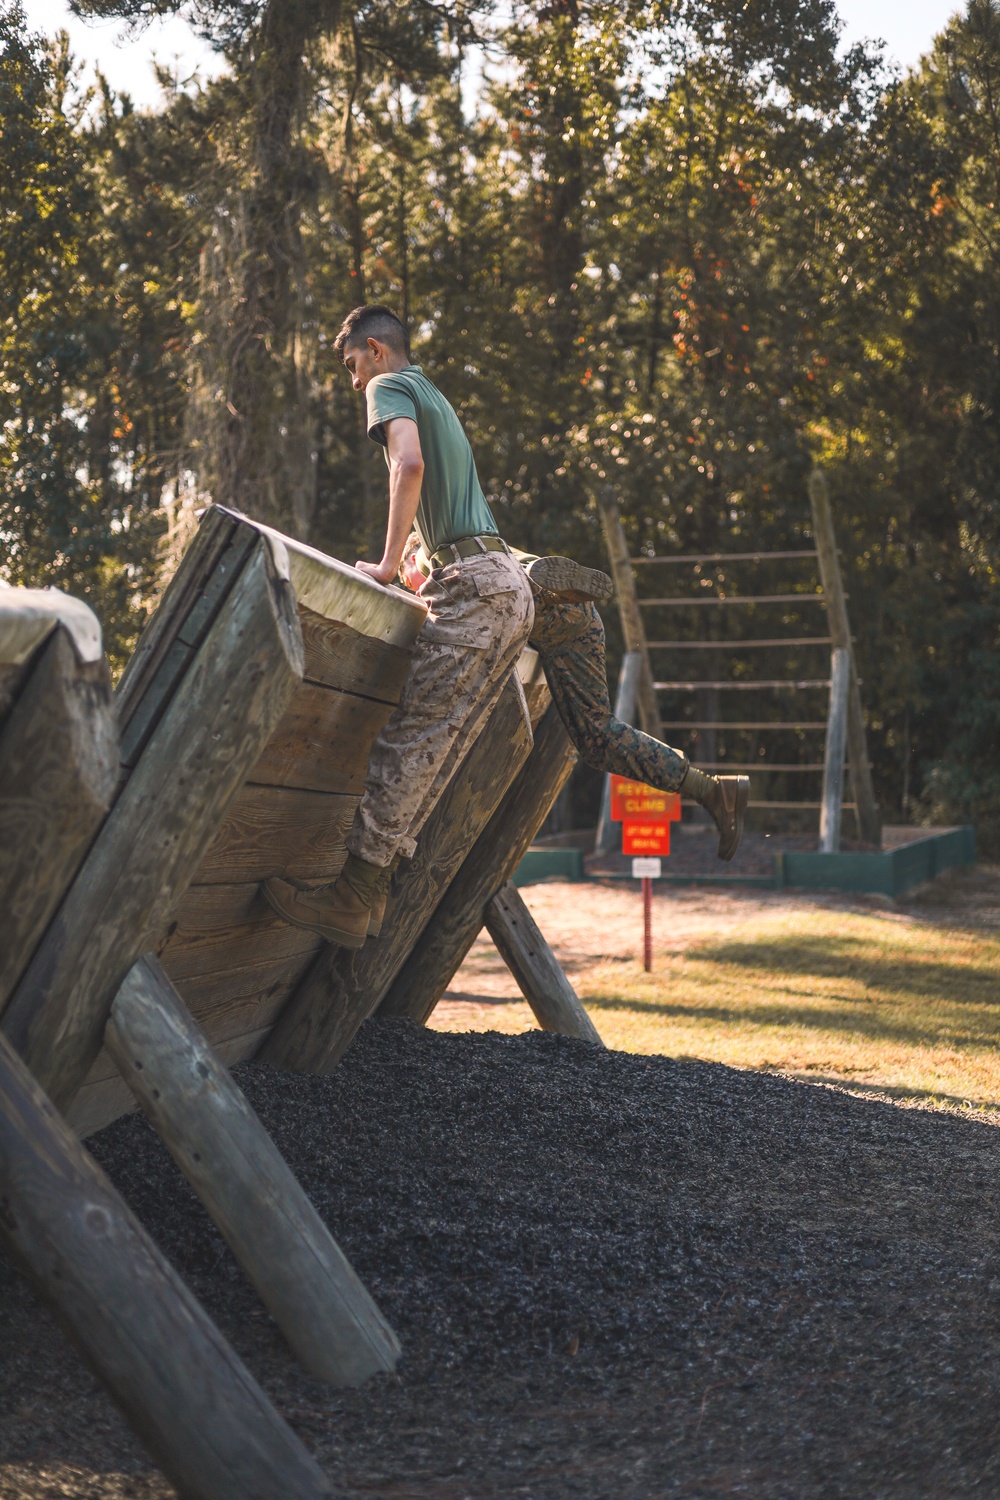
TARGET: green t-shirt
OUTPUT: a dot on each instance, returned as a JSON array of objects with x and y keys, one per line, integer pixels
[{"x": 452, "y": 503}]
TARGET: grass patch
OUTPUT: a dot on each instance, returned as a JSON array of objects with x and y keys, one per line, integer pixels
[{"x": 870, "y": 1001}]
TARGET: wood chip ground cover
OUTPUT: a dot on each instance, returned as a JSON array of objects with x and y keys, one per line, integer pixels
[{"x": 614, "y": 1276}]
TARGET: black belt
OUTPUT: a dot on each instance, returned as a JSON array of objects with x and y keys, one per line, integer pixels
[{"x": 467, "y": 546}]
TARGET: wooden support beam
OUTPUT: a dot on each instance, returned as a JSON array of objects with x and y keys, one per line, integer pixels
[
  {"x": 704, "y": 557},
  {"x": 343, "y": 988},
  {"x": 628, "y": 606},
  {"x": 683, "y": 600},
  {"x": 741, "y": 687},
  {"x": 225, "y": 1153},
  {"x": 207, "y": 738},
  {"x": 735, "y": 646},
  {"x": 181, "y": 1387},
  {"x": 869, "y": 820},
  {"x": 489, "y": 864},
  {"x": 538, "y": 972},
  {"x": 626, "y": 700},
  {"x": 833, "y": 764},
  {"x": 58, "y": 775}
]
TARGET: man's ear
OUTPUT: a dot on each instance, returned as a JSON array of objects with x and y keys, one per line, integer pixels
[{"x": 375, "y": 347}]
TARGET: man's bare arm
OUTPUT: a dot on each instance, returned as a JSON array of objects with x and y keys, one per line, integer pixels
[{"x": 406, "y": 473}]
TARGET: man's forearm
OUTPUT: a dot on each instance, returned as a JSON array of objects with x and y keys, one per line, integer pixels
[
  {"x": 405, "y": 479},
  {"x": 406, "y": 475}
]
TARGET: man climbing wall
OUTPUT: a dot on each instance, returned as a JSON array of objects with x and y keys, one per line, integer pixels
[
  {"x": 568, "y": 634},
  {"x": 479, "y": 616}
]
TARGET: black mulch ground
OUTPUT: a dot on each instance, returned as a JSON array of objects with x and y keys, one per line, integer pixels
[{"x": 614, "y": 1276}]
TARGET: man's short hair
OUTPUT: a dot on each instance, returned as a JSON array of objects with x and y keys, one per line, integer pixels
[{"x": 372, "y": 322}]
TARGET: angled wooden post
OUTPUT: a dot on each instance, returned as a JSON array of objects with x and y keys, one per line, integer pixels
[
  {"x": 343, "y": 988},
  {"x": 183, "y": 1390},
  {"x": 538, "y": 972},
  {"x": 833, "y": 760},
  {"x": 489, "y": 864},
  {"x": 225, "y": 1153},
  {"x": 626, "y": 698},
  {"x": 869, "y": 821},
  {"x": 208, "y": 735},
  {"x": 58, "y": 775},
  {"x": 633, "y": 629}
]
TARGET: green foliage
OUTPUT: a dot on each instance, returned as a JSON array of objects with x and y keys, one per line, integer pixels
[
  {"x": 91, "y": 337},
  {"x": 684, "y": 249}
]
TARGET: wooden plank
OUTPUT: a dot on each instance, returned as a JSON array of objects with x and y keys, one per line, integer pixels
[
  {"x": 322, "y": 742},
  {"x": 836, "y": 744},
  {"x": 744, "y": 724},
  {"x": 633, "y": 630},
  {"x": 743, "y": 687},
  {"x": 340, "y": 657},
  {"x": 802, "y": 598},
  {"x": 734, "y": 647},
  {"x": 12, "y": 676},
  {"x": 626, "y": 700},
  {"x": 102, "y": 1101},
  {"x": 212, "y": 909},
  {"x": 58, "y": 776},
  {"x": 239, "y": 963},
  {"x": 282, "y": 831},
  {"x": 869, "y": 818},
  {"x": 159, "y": 829},
  {"x": 538, "y": 972},
  {"x": 490, "y": 863},
  {"x": 300, "y": 1272},
  {"x": 704, "y": 557},
  {"x": 193, "y": 573},
  {"x": 342, "y": 988},
  {"x": 161, "y": 681},
  {"x": 182, "y": 1389}
]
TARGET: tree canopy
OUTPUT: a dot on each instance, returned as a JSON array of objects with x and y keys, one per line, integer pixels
[{"x": 686, "y": 249}]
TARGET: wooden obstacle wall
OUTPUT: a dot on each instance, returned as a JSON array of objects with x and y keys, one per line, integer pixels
[{"x": 235, "y": 964}]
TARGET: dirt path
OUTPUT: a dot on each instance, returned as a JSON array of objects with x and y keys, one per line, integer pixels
[{"x": 592, "y": 923}]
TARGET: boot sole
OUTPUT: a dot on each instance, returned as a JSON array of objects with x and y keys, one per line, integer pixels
[
  {"x": 561, "y": 575},
  {"x": 742, "y": 798},
  {"x": 332, "y": 934}
]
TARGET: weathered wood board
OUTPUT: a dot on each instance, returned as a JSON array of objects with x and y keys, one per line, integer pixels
[
  {"x": 342, "y": 987},
  {"x": 232, "y": 960},
  {"x": 58, "y": 760},
  {"x": 490, "y": 863},
  {"x": 208, "y": 735},
  {"x": 218, "y": 1142},
  {"x": 184, "y": 1391}
]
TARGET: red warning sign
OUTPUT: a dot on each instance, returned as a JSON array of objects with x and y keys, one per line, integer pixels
[
  {"x": 641, "y": 836},
  {"x": 635, "y": 802}
]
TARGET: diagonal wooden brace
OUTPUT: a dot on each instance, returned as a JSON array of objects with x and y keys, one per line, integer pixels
[
  {"x": 184, "y": 1391},
  {"x": 229, "y": 1159},
  {"x": 207, "y": 738},
  {"x": 538, "y": 972}
]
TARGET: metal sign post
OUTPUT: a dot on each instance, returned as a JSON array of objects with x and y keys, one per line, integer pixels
[
  {"x": 647, "y": 870},
  {"x": 645, "y": 814}
]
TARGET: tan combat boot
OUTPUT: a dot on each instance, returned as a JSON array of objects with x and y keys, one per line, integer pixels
[
  {"x": 380, "y": 895},
  {"x": 570, "y": 579},
  {"x": 726, "y": 798},
  {"x": 340, "y": 911}
]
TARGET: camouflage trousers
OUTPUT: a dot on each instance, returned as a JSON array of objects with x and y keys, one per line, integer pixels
[
  {"x": 480, "y": 612},
  {"x": 570, "y": 640}
]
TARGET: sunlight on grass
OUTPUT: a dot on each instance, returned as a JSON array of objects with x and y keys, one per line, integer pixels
[{"x": 868, "y": 1001}]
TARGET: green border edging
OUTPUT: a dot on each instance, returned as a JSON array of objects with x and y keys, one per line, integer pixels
[
  {"x": 887, "y": 873},
  {"x": 540, "y": 864}
]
